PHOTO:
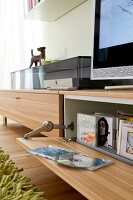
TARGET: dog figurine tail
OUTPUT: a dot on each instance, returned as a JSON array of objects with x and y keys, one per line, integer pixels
[{"x": 32, "y": 52}]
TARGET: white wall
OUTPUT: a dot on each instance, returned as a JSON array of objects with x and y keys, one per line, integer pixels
[{"x": 69, "y": 36}]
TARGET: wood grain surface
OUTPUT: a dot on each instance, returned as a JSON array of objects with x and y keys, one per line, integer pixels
[
  {"x": 31, "y": 109},
  {"x": 113, "y": 182},
  {"x": 53, "y": 186}
]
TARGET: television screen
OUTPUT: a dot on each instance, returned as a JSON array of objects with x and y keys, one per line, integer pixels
[
  {"x": 113, "y": 39},
  {"x": 116, "y": 23}
]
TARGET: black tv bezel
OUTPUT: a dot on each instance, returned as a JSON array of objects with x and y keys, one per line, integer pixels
[{"x": 116, "y": 56}]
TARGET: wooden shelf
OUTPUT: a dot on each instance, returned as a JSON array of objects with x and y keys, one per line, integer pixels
[
  {"x": 51, "y": 10},
  {"x": 99, "y": 101},
  {"x": 105, "y": 183}
]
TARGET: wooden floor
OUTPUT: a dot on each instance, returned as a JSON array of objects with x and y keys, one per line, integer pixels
[{"x": 54, "y": 187}]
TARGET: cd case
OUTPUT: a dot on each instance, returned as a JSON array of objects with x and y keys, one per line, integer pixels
[
  {"x": 51, "y": 152},
  {"x": 70, "y": 158},
  {"x": 83, "y": 161}
]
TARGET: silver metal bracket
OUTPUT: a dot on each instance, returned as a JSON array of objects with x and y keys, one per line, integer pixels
[{"x": 47, "y": 127}]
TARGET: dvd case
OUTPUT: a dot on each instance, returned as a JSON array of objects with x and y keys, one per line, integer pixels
[
  {"x": 97, "y": 129},
  {"x": 86, "y": 129},
  {"x": 125, "y": 147},
  {"x": 106, "y": 130},
  {"x": 70, "y": 158},
  {"x": 50, "y": 152},
  {"x": 78, "y": 160}
]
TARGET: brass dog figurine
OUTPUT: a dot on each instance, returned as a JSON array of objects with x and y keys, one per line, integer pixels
[{"x": 36, "y": 59}]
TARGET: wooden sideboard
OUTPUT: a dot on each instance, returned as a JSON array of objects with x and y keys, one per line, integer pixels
[
  {"x": 32, "y": 107},
  {"x": 113, "y": 182}
]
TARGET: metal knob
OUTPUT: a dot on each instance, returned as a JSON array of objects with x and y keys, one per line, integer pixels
[{"x": 48, "y": 126}]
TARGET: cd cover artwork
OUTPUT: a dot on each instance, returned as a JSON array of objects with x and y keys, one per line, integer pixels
[{"x": 51, "y": 152}]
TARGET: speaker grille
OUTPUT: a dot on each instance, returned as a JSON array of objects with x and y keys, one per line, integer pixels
[{"x": 117, "y": 72}]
